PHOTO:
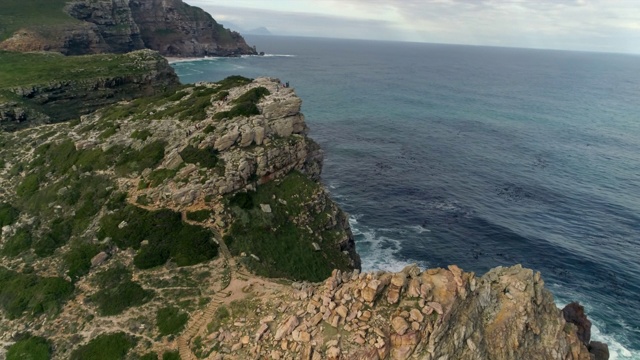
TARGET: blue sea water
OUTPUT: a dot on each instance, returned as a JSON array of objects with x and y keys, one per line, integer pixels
[{"x": 478, "y": 156}]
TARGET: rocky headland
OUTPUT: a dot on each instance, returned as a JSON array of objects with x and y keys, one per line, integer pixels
[
  {"x": 192, "y": 224},
  {"x": 78, "y": 27}
]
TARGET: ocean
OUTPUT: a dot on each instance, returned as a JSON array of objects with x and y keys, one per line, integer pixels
[{"x": 477, "y": 156}]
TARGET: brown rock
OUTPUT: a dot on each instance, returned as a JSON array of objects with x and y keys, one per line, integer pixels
[
  {"x": 574, "y": 313},
  {"x": 342, "y": 311},
  {"x": 286, "y": 328},
  {"x": 400, "y": 325},
  {"x": 402, "y": 346},
  {"x": 416, "y": 315},
  {"x": 599, "y": 350}
]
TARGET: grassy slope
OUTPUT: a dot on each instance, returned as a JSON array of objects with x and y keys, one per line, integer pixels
[
  {"x": 21, "y": 69},
  {"x": 18, "y": 14}
]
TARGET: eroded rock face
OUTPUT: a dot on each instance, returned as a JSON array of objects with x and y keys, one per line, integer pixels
[
  {"x": 505, "y": 314},
  {"x": 176, "y": 29},
  {"x": 119, "y": 26},
  {"x": 58, "y": 101}
]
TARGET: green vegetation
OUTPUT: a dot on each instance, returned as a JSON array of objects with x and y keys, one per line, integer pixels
[
  {"x": 168, "y": 236},
  {"x": 219, "y": 318},
  {"x": 158, "y": 176},
  {"x": 284, "y": 249},
  {"x": 16, "y": 14},
  {"x": 18, "y": 243},
  {"x": 149, "y": 356},
  {"x": 245, "y": 105},
  {"x": 31, "y": 348},
  {"x": 114, "y": 346},
  {"x": 171, "y": 320},
  {"x": 207, "y": 157},
  {"x": 137, "y": 160},
  {"x": 199, "y": 216},
  {"x": 21, "y": 293},
  {"x": 59, "y": 234},
  {"x": 192, "y": 105},
  {"x": 8, "y": 214},
  {"x": 77, "y": 260},
  {"x": 171, "y": 355},
  {"x": 23, "y": 69},
  {"x": 141, "y": 135},
  {"x": 118, "y": 292}
]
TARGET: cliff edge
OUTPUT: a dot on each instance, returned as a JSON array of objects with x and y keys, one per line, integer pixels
[
  {"x": 191, "y": 223},
  {"x": 80, "y": 27}
]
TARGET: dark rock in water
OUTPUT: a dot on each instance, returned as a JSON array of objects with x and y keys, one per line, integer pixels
[
  {"x": 574, "y": 313},
  {"x": 599, "y": 350}
]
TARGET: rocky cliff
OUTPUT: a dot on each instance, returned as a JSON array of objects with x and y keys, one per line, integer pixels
[
  {"x": 55, "y": 98},
  {"x": 118, "y": 26},
  {"x": 192, "y": 224}
]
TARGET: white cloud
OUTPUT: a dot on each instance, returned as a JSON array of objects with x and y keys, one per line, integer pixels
[{"x": 598, "y": 25}]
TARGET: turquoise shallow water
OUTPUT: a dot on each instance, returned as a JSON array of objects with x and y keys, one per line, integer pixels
[{"x": 478, "y": 156}]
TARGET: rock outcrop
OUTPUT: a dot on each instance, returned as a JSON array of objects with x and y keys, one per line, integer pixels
[
  {"x": 433, "y": 314},
  {"x": 118, "y": 26},
  {"x": 217, "y": 159},
  {"x": 61, "y": 100}
]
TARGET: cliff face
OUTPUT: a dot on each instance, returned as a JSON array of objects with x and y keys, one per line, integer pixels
[
  {"x": 434, "y": 314},
  {"x": 179, "y": 208},
  {"x": 176, "y": 29},
  {"x": 141, "y": 73},
  {"x": 118, "y": 26}
]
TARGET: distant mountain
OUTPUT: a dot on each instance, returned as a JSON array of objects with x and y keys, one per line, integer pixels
[
  {"x": 258, "y": 31},
  {"x": 262, "y": 30}
]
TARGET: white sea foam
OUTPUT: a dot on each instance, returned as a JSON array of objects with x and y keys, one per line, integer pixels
[
  {"x": 617, "y": 350},
  {"x": 418, "y": 228},
  {"x": 377, "y": 250}
]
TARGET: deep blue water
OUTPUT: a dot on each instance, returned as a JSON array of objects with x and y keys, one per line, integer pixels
[{"x": 478, "y": 156}]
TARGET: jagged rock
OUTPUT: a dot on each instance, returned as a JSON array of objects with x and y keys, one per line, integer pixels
[
  {"x": 99, "y": 259},
  {"x": 286, "y": 328},
  {"x": 574, "y": 313},
  {"x": 266, "y": 208}
]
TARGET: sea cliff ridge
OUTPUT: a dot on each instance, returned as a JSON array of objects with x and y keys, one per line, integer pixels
[
  {"x": 230, "y": 168},
  {"x": 142, "y": 218}
]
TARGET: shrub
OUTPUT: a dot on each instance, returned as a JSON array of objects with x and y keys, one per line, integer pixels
[
  {"x": 170, "y": 320},
  {"x": 137, "y": 160},
  {"x": 207, "y": 157},
  {"x": 58, "y": 235},
  {"x": 245, "y": 105},
  {"x": 171, "y": 355},
  {"x": 149, "y": 356},
  {"x": 141, "y": 135},
  {"x": 114, "y": 346},
  {"x": 31, "y": 293},
  {"x": 29, "y": 185},
  {"x": 242, "y": 200},
  {"x": 282, "y": 246},
  {"x": 158, "y": 176},
  {"x": 31, "y": 348},
  {"x": 78, "y": 259},
  {"x": 118, "y": 293},
  {"x": 8, "y": 214},
  {"x": 18, "y": 243},
  {"x": 199, "y": 216},
  {"x": 168, "y": 237}
]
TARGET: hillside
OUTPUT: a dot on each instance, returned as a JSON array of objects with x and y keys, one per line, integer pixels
[
  {"x": 191, "y": 224},
  {"x": 77, "y": 27},
  {"x": 40, "y": 88}
]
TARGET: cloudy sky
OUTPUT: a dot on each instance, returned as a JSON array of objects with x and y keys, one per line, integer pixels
[{"x": 592, "y": 25}]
